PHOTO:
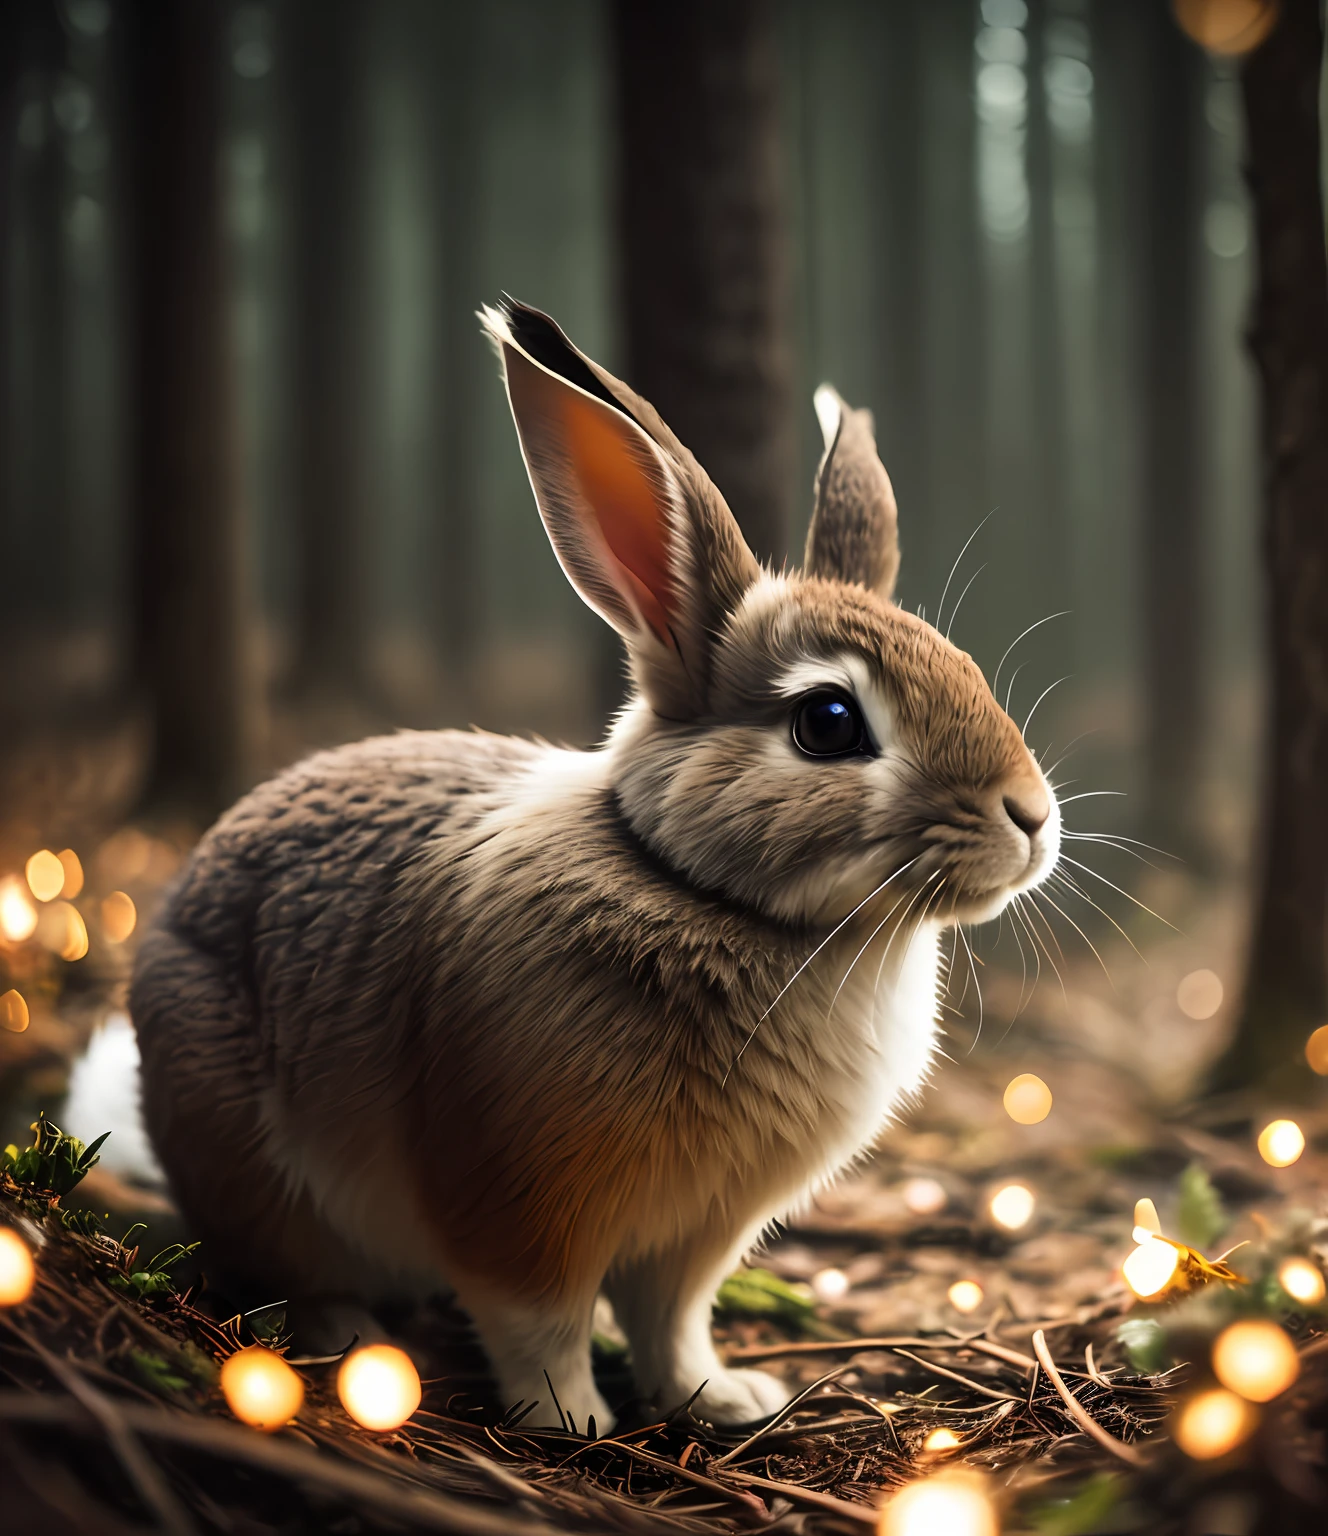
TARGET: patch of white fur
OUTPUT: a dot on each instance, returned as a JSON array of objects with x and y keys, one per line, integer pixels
[{"x": 104, "y": 1096}]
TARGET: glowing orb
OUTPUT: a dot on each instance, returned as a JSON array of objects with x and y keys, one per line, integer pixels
[
  {"x": 1146, "y": 1223},
  {"x": 260, "y": 1388},
  {"x": 925, "y": 1197},
  {"x": 1256, "y": 1359},
  {"x": 62, "y": 930},
  {"x": 18, "y": 916},
  {"x": 46, "y": 875},
  {"x": 1281, "y": 1142},
  {"x": 1150, "y": 1267},
  {"x": 1027, "y": 1099},
  {"x": 1229, "y": 27},
  {"x": 1012, "y": 1207},
  {"x": 73, "y": 868},
  {"x": 1316, "y": 1050},
  {"x": 829, "y": 1284},
  {"x": 1300, "y": 1279},
  {"x": 1199, "y": 995},
  {"x": 1213, "y": 1423},
  {"x": 17, "y": 1272},
  {"x": 965, "y": 1295},
  {"x": 949, "y": 1504},
  {"x": 379, "y": 1386},
  {"x": 14, "y": 1014},
  {"x": 940, "y": 1441},
  {"x": 118, "y": 917}
]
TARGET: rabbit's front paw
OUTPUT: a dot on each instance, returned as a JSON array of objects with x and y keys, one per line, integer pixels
[{"x": 740, "y": 1397}]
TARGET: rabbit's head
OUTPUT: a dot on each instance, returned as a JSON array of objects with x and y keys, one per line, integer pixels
[{"x": 796, "y": 741}]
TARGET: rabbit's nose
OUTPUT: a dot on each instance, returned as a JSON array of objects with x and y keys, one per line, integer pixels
[{"x": 1028, "y": 808}]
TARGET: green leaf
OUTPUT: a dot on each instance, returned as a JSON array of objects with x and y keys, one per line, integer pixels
[
  {"x": 156, "y": 1374},
  {"x": 1144, "y": 1343},
  {"x": 1083, "y": 1512},
  {"x": 1200, "y": 1218},
  {"x": 759, "y": 1293}
]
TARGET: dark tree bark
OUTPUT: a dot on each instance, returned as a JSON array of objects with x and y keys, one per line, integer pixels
[
  {"x": 1172, "y": 542},
  {"x": 1286, "y": 987},
  {"x": 323, "y": 47},
  {"x": 191, "y": 634},
  {"x": 704, "y": 243}
]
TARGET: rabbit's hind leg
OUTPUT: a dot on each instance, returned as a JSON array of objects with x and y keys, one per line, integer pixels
[{"x": 663, "y": 1303}]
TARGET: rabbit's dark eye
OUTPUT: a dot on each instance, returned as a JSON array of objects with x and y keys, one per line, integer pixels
[{"x": 828, "y": 724}]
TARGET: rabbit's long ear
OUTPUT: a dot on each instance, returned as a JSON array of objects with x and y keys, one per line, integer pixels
[
  {"x": 854, "y": 534},
  {"x": 642, "y": 534}
]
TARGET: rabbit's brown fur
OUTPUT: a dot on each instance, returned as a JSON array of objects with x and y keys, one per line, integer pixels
[{"x": 452, "y": 1007}]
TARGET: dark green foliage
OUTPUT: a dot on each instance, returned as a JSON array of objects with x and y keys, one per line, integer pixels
[
  {"x": 759, "y": 1293},
  {"x": 1200, "y": 1217},
  {"x": 54, "y": 1163},
  {"x": 1085, "y": 1511}
]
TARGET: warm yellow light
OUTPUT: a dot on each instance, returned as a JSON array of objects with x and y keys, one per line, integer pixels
[
  {"x": 1300, "y": 1279},
  {"x": 18, "y": 916},
  {"x": 1281, "y": 1142},
  {"x": 1256, "y": 1359},
  {"x": 14, "y": 1014},
  {"x": 925, "y": 1197},
  {"x": 1012, "y": 1207},
  {"x": 952, "y": 1503},
  {"x": 940, "y": 1441},
  {"x": 62, "y": 930},
  {"x": 1316, "y": 1050},
  {"x": 17, "y": 1271},
  {"x": 1150, "y": 1267},
  {"x": 1213, "y": 1423},
  {"x": 1229, "y": 27},
  {"x": 1199, "y": 995},
  {"x": 1146, "y": 1223},
  {"x": 73, "y": 868},
  {"x": 1027, "y": 1099},
  {"x": 379, "y": 1386},
  {"x": 260, "y": 1388},
  {"x": 125, "y": 856},
  {"x": 46, "y": 875},
  {"x": 118, "y": 917},
  {"x": 965, "y": 1295},
  {"x": 829, "y": 1284}
]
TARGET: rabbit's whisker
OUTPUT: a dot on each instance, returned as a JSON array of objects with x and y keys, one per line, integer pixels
[
  {"x": 1024, "y": 728},
  {"x": 1090, "y": 794},
  {"x": 1135, "y": 842},
  {"x": 954, "y": 612},
  {"x": 870, "y": 940},
  {"x": 1064, "y": 613},
  {"x": 1141, "y": 905},
  {"x": 1064, "y": 881},
  {"x": 1107, "y": 841},
  {"x": 1031, "y": 912},
  {"x": 1023, "y": 964},
  {"x": 885, "y": 953},
  {"x": 1010, "y": 687},
  {"x": 940, "y": 607},
  {"x": 1082, "y": 736},
  {"x": 977, "y": 985}
]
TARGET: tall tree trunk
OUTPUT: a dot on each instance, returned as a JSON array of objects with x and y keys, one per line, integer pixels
[
  {"x": 1286, "y": 987},
  {"x": 1172, "y": 544},
  {"x": 704, "y": 261},
  {"x": 189, "y": 602},
  {"x": 324, "y": 45}
]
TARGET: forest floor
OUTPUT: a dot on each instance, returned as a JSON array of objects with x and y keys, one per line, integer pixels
[{"x": 111, "y": 1419}]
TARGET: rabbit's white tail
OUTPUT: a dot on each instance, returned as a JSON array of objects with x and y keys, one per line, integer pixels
[{"x": 104, "y": 1096}]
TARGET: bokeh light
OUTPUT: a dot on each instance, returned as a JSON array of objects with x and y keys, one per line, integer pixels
[
  {"x": 18, "y": 916},
  {"x": 939, "y": 1441},
  {"x": 73, "y": 868},
  {"x": 1012, "y": 1206},
  {"x": 119, "y": 916},
  {"x": 952, "y": 1503},
  {"x": 1316, "y": 1050},
  {"x": 17, "y": 1271},
  {"x": 45, "y": 875},
  {"x": 1199, "y": 995},
  {"x": 1302, "y": 1281},
  {"x": 379, "y": 1386},
  {"x": 965, "y": 1295},
  {"x": 1255, "y": 1358},
  {"x": 829, "y": 1284},
  {"x": 1281, "y": 1142},
  {"x": 1213, "y": 1423},
  {"x": 260, "y": 1388},
  {"x": 1027, "y": 1099},
  {"x": 1230, "y": 27},
  {"x": 925, "y": 1197},
  {"x": 1146, "y": 1223},
  {"x": 14, "y": 1015},
  {"x": 1150, "y": 1267},
  {"x": 62, "y": 930}
]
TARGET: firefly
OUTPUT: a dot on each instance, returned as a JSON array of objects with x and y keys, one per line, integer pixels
[
  {"x": 260, "y": 1388},
  {"x": 1150, "y": 1267},
  {"x": 379, "y": 1386},
  {"x": 940, "y": 1441}
]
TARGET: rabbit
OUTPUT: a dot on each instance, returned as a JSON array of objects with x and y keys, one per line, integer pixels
[{"x": 454, "y": 1011}]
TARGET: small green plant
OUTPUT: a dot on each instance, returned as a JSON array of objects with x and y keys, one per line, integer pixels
[
  {"x": 1200, "y": 1217},
  {"x": 54, "y": 1163},
  {"x": 154, "y": 1278},
  {"x": 759, "y": 1293}
]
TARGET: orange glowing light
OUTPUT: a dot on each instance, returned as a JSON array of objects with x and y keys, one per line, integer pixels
[
  {"x": 1230, "y": 27},
  {"x": 829, "y": 1284},
  {"x": 1281, "y": 1142},
  {"x": 965, "y": 1295},
  {"x": 1027, "y": 1099},
  {"x": 1012, "y": 1206},
  {"x": 379, "y": 1386},
  {"x": 18, "y": 916},
  {"x": 45, "y": 874},
  {"x": 1149, "y": 1269},
  {"x": 1300, "y": 1279},
  {"x": 1213, "y": 1423},
  {"x": 119, "y": 917},
  {"x": 260, "y": 1388},
  {"x": 14, "y": 1015},
  {"x": 17, "y": 1271},
  {"x": 1199, "y": 995},
  {"x": 952, "y": 1503},
  {"x": 925, "y": 1197},
  {"x": 73, "y": 868},
  {"x": 1146, "y": 1222},
  {"x": 1316, "y": 1050},
  {"x": 1256, "y": 1359},
  {"x": 939, "y": 1441},
  {"x": 62, "y": 930}
]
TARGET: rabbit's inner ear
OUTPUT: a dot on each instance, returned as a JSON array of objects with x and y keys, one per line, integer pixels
[{"x": 854, "y": 534}]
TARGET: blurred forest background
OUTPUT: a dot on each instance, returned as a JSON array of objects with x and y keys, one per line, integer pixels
[{"x": 259, "y": 489}]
